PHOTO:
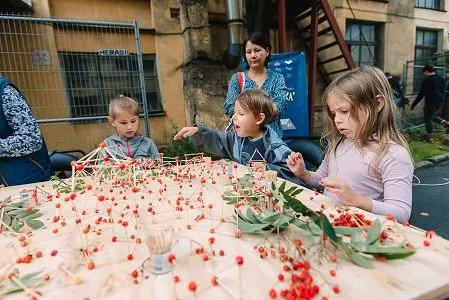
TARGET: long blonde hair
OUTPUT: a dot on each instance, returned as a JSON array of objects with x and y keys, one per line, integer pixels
[{"x": 362, "y": 88}]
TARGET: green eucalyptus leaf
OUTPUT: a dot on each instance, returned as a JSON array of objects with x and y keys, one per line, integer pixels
[
  {"x": 282, "y": 187},
  {"x": 322, "y": 221},
  {"x": 25, "y": 213},
  {"x": 6, "y": 219},
  {"x": 299, "y": 223},
  {"x": 360, "y": 260},
  {"x": 315, "y": 239},
  {"x": 314, "y": 228},
  {"x": 374, "y": 232},
  {"x": 296, "y": 192},
  {"x": 296, "y": 205},
  {"x": 273, "y": 186},
  {"x": 30, "y": 276},
  {"x": 14, "y": 287},
  {"x": 16, "y": 225},
  {"x": 251, "y": 216},
  {"x": 34, "y": 224},
  {"x": 33, "y": 216},
  {"x": 271, "y": 217},
  {"x": 251, "y": 228},
  {"x": 343, "y": 230}
]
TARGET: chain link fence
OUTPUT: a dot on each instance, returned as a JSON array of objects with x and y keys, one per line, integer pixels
[{"x": 69, "y": 70}]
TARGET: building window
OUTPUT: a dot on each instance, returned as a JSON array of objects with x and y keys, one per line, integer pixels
[
  {"x": 92, "y": 80},
  {"x": 363, "y": 42},
  {"x": 426, "y": 43},
  {"x": 432, "y": 4}
]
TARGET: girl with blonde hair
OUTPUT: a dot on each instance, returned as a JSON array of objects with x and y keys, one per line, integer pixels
[{"x": 368, "y": 163}]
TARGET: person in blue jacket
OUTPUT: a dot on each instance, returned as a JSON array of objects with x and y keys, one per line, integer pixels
[
  {"x": 23, "y": 153},
  {"x": 251, "y": 139}
]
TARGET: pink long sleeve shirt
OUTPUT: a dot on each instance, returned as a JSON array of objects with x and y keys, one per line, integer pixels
[{"x": 390, "y": 194}]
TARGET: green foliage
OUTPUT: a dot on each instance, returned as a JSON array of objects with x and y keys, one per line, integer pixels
[
  {"x": 359, "y": 245},
  {"x": 30, "y": 280},
  {"x": 422, "y": 150},
  {"x": 16, "y": 215}
]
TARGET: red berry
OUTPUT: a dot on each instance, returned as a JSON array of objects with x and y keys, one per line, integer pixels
[
  {"x": 336, "y": 289},
  {"x": 221, "y": 253},
  {"x": 53, "y": 252},
  {"x": 90, "y": 266},
  {"x": 273, "y": 293},
  {"x": 192, "y": 286},
  {"x": 38, "y": 254},
  {"x": 130, "y": 257},
  {"x": 332, "y": 273},
  {"x": 171, "y": 258},
  {"x": 135, "y": 274},
  {"x": 239, "y": 260},
  {"x": 214, "y": 280},
  {"x": 176, "y": 279},
  {"x": 426, "y": 243}
]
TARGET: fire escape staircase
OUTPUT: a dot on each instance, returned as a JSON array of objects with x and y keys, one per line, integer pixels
[{"x": 327, "y": 51}]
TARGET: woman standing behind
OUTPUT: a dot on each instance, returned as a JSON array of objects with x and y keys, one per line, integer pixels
[{"x": 257, "y": 54}]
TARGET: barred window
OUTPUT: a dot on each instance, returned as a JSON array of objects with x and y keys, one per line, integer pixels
[
  {"x": 363, "y": 42},
  {"x": 92, "y": 80}
]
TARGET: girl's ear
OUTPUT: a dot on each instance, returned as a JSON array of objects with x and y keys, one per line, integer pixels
[
  {"x": 111, "y": 121},
  {"x": 260, "y": 118},
  {"x": 380, "y": 102}
]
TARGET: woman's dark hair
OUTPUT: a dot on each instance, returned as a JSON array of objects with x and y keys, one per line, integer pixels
[
  {"x": 261, "y": 40},
  {"x": 428, "y": 68}
]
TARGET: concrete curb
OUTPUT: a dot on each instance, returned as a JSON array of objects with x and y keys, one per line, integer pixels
[{"x": 432, "y": 161}]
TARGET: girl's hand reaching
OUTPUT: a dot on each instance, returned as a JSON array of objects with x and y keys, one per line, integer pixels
[
  {"x": 185, "y": 132},
  {"x": 295, "y": 163},
  {"x": 345, "y": 194}
]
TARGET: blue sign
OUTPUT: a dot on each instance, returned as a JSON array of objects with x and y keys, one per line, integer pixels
[
  {"x": 292, "y": 65},
  {"x": 295, "y": 121}
]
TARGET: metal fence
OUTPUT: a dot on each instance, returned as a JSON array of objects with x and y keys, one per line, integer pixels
[
  {"x": 69, "y": 70},
  {"x": 413, "y": 75}
]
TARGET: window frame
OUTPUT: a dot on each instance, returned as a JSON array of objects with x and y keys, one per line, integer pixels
[
  {"x": 98, "y": 103},
  {"x": 423, "y": 46},
  {"x": 434, "y": 4},
  {"x": 376, "y": 43}
]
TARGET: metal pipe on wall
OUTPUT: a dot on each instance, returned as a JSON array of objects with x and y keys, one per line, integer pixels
[{"x": 235, "y": 33}]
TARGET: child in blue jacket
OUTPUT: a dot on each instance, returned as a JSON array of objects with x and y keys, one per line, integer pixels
[
  {"x": 124, "y": 117},
  {"x": 252, "y": 111}
]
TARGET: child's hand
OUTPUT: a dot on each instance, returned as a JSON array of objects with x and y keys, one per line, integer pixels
[
  {"x": 340, "y": 188},
  {"x": 186, "y": 132},
  {"x": 345, "y": 194},
  {"x": 296, "y": 164}
]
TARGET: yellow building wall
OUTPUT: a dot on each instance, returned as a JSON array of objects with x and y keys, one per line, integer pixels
[{"x": 44, "y": 87}]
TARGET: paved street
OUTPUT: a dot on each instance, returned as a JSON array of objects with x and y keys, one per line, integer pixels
[{"x": 432, "y": 198}]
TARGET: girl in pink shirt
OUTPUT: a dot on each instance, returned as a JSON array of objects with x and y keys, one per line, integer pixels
[{"x": 367, "y": 163}]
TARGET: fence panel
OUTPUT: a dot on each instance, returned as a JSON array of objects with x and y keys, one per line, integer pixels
[{"x": 70, "y": 69}]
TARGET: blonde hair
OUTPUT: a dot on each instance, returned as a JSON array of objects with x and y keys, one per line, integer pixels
[
  {"x": 123, "y": 103},
  {"x": 362, "y": 88},
  {"x": 258, "y": 101}
]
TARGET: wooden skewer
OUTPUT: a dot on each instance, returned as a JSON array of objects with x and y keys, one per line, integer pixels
[{"x": 25, "y": 288}]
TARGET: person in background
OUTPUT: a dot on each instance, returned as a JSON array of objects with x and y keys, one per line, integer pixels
[
  {"x": 124, "y": 117},
  {"x": 433, "y": 90},
  {"x": 368, "y": 163},
  {"x": 23, "y": 153},
  {"x": 257, "y": 76},
  {"x": 395, "y": 84},
  {"x": 251, "y": 139}
]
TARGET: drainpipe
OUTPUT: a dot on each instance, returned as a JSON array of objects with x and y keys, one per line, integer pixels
[{"x": 234, "y": 17}]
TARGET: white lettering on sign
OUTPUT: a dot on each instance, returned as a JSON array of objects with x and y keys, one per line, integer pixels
[{"x": 113, "y": 52}]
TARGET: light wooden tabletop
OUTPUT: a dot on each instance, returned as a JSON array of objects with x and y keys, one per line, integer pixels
[{"x": 423, "y": 275}]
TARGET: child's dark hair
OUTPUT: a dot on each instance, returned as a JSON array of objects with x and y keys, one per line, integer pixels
[
  {"x": 121, "y": 104},
  {"x": 428, "y": 68},
  {"x": 261, "y": 40},
  {"x": 258, "y": 101}
]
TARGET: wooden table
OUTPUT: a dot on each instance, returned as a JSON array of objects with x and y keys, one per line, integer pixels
[{"x": 423, "y": 275}]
